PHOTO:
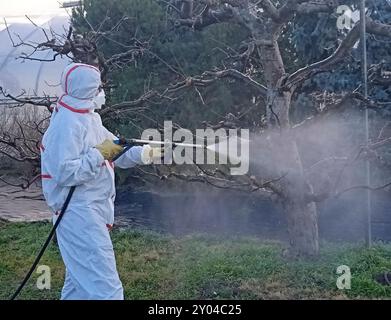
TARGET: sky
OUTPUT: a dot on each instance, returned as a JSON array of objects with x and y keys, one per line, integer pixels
[{"x": 39, "y": 11}]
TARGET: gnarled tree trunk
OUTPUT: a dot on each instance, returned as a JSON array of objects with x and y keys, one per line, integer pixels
[
  {"x": 301, "y": 214},
  {"x": 302, "y": 228}
]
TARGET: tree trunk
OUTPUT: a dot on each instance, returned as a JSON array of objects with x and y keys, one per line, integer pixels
[
  {"x": 301, "y": 215},
  {"x": 302, "y": 228}
]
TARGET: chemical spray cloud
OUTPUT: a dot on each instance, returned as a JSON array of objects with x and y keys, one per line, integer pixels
[{"x": 206, "y": 146}]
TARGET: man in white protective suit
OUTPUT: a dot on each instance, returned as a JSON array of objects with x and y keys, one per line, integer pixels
[{"x": 76, "y": 150}]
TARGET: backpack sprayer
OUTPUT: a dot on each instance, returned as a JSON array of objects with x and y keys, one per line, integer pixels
[{"x": 127, "y": 144}]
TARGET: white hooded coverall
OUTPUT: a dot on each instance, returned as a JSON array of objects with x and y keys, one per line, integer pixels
[{"x": 69, "y": 159}]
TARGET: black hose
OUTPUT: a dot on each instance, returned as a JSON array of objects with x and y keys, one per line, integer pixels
[
  {"x": 45, "y": 245},
  {"x": 36, "y": 261},
  {"x": 126, "y": 148}
]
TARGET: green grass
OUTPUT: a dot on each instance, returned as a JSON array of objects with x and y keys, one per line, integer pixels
[{"x": 155, "y": 266}]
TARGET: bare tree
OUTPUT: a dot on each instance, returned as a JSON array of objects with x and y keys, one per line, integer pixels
[
  {"x": 21, "y": 130},
  {"x": 265, "y": 23}
]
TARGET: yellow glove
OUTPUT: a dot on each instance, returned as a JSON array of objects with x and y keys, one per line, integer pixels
[
  {"x": 151, "y": 154},
  {"x": 108, "y": 149}
]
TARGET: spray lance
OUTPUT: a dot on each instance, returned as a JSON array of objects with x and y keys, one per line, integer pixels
[{"x": 127, "y": 144}]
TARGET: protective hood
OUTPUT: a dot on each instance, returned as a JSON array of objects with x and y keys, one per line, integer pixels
[{"x": 80, "y": 84}]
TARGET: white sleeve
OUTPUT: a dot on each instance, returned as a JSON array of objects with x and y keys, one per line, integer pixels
[
  {"x": 69, "y": 165},
  {"x": 130, "y": 158}
]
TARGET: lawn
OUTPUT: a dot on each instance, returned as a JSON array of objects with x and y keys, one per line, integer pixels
[{"x": 157, "y": 266}]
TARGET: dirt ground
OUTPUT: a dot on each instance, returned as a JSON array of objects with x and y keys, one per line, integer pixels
[{"x": 23, "y": 205}]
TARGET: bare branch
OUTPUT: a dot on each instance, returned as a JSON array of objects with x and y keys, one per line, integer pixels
[
  {"x": 335, "y": 105},
  {"x": 206, "y": 79},
  {"x": 341, "y": 53},
  {"x": 207, "y": 17},
  {"x": 363, "y": 187},
  {"x": 45, "y": 101}
]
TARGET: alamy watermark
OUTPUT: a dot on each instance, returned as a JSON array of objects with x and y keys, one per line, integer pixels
[
  {"x": 221, "y": 146},
  {"x": 347, "y": 17},
  {"x": 44, "y": 280},
  {"x": 345, "y": 279}
]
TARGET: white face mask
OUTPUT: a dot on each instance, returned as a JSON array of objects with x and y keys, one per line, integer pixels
[{"x": 100, "y": 100}]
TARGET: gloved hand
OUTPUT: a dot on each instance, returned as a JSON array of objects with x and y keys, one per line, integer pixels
[
  {"x": 108, "y": 149},
  {"x": 150, "y": 154}
]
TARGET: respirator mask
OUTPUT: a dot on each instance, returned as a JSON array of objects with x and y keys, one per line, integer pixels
[{"x": 100, "y": 100}]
